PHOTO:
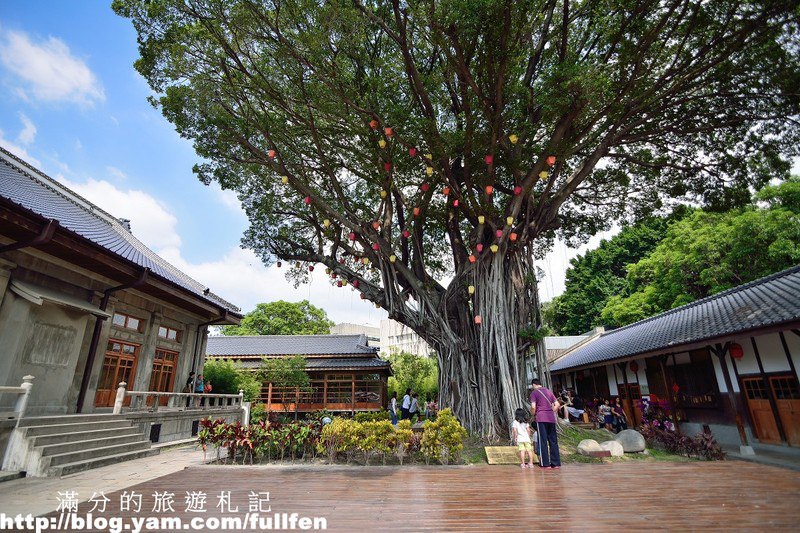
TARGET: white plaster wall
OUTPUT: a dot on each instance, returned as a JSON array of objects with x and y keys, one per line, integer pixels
[
  {"x": 793, "y": 342},
  {"x": 612, "y": 380},
  {"x": 773, "y": 356},
  {"x": 748, "y": 363},
  {"x": 721, "y": 377}
]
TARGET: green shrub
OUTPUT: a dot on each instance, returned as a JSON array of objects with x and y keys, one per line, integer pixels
[
  {"x": 226, "y": 377},
  {"x": 443, "y": 438},
  {"x": 372, "y": 416},
  {"x": 400, "y": 442}
]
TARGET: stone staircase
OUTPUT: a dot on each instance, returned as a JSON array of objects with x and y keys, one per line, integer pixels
[{"x": 54, "y": 446}]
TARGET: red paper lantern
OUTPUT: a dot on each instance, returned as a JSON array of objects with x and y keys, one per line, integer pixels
[
  {"x": 376, "y": 225},
  {"x": 512, "y": 236},
  {"x": 307, "y": 200},
  {"x": 489, "y": 159},
  {"x": 388, "y": 132},
  {"x": 737, "y": 352},
  {"x": 498, "y": 233},
  {"x": 551, "y": 160},
  {"x": 446, "y": 191},
  {"x": 341, "y": 262},
  {"x": 271, "y": 154},
  {"x": 675, "y": 388},
  {"x": 387, "y": 167},
  {"x": 425, "y": 187},
  {"x": 455, "y": 203},
  {"x": 479, "y": 247},
  {"x": 416, "y": 211},
  {"x": 339, "y": 283},
  {"x": 412, "y": 152},
  {"x": 517, "y": 190},
  {"x": 472, "y": 258},
  {"x": 373, "y": 124},
  {"x": 376, "y": 247},
  {"x": 634, "y": 367},
  {"x": 489, "y": 189},
  {"x": 355, "y": 283},
  {"x": 352, "y": 236},
  {"x": 406, "y": 234},
  {"x": 311, "y": 268}
]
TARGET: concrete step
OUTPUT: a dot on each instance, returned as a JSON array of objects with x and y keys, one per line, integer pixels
[
  {"x": 110, "y": 439},
  {"x": 80, "y": 466},
  {"x": 66, "y": 419},
  {"x": 64, "y": 438},
  {"x": 87, "y": 454},
  {"x": 54, "y": 429}
]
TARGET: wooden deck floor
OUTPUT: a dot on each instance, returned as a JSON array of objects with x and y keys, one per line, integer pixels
[{"x": 635, "y": 495}]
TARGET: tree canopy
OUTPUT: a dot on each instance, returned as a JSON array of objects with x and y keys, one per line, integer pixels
[
  {"x": 706, "y": 253},
  {"x": 282, "y": 318},
  {"x": 401, "y": 142}
]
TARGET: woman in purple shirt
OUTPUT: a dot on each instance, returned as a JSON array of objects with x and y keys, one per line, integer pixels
[{"x": 543, "y": 406}]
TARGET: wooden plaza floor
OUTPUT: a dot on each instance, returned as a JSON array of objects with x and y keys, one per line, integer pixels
[{"x": 634, "y": 495}]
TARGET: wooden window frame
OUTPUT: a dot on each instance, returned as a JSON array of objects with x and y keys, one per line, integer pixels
[
  {"x": 126, "y": 320},
  {"x": 178, "y": 333}
]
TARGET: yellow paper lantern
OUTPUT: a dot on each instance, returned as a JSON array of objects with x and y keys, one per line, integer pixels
[
  {"x": 429, "y": 171},
  {"x": 326, "y": 223},
  {"x": 510, "y": 221},
  {"x": 543, "y": 174},
  {"x": 284, "y": 179},
  {"x": 494, "y": 248},
  {"x": 392, "y": 258},
  {"x": 383, "y": 193},
  {"x": 365, "y": 260},
  {"x": 481, "y": 219},
  {"x": 344, "y": 283},
  {"x": 429, "y": 156},
  {"x": 382, "y": 143},
  {"x": 513, "y": 138},
  {"x": 471, "y": 289}
]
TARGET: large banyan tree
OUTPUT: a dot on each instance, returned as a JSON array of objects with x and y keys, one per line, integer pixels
[{"x": 403, "y": 143}]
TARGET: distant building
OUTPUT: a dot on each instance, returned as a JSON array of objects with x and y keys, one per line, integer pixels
[
  {"x": 397, "y": 337},
  {"x": 372, "y": 333},
  {"x": 556, "y": 346}
]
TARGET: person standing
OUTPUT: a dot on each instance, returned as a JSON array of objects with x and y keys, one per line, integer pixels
[
  {"x": 393, "y": 408},
  {"x": 406, "y": 405},
  {"x": 414, "y": 409},
  {"x": 199, "y": 388},
  {"x": 521, "y": 435},
  {"x": 543, "y": 408},
  {"x": 189, "y": 388}
]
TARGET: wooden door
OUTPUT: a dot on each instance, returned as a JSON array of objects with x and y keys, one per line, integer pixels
[
  {"x": 162, "y": 379},
  {"x": 119, "y": 364},
  {"x": 631, "y": 397},
  {"x": 786, "y": 390},
  {"x": 757, "y": 396}
]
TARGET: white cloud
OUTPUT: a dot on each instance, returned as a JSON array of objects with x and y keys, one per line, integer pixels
[
  {"x": 78, "y": 145},
  {"x": 18, "y": 151},
  {"x": 116, "y": 173},
  {"x": 28, "y": 133},
  {"x": 48, "y": 70}
]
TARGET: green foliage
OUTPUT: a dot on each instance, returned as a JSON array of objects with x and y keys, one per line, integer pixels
[
  {"x": 282, "y": 318},
  {"x": 443, "y": 438},
  {"x": 707, "y": 252},
  {"x": 598, "y": 275},
  {"x": 285, "y": 372},
  {"x": 227, "y": 377},
  {"x": 372, "y": 417},
  {"x": 420, "y": 374},
  {"x": 400, "y": 441}
]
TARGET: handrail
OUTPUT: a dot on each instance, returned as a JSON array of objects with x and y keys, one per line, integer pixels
[
  {"x": 186, "y": 400},
  {"x": 23, "y": 392}
]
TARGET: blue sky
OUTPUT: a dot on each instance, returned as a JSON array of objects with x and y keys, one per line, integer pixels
[{"x": 72, "y": 105}]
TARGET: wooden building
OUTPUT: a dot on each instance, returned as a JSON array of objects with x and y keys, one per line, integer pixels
[
  {"x": 346, "y": 373},
  {"x": 727, "y": 362}
]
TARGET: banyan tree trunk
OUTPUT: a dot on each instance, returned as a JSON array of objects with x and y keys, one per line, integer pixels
[{"x": 482, "y": 365}]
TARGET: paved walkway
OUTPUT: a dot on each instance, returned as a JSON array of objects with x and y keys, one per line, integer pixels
[
  {"x": 39, "y": 495},
  {"x": 730, "y": 495}
]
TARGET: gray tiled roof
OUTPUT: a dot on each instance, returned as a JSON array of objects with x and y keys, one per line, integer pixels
[
  {"x": 28, "y": 187},
  {"x": 332, "y": 363},
  {"x": 765, "y": 302},
  {"x": 261, "y": 345}
]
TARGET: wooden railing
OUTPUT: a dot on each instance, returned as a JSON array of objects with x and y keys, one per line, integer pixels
[
  {"x": 23, "y": 392},
  {"x": 153, "y": 401}
]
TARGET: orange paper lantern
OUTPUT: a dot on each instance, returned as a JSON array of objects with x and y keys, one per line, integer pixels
[
  {"x": 271, "y": 154},
  {"x": 388, "y": 132},
  {"x": 512, "y": 236},
  {"x": 551, "y": 160},
  {"x": 373, "y": 124},
  {"x": 446, "y": 191},
  {"x": 478, "y": 319},
  {"x": 489, "y": 189},
  {"x": 376, "y": 225},
  {"x": 472, "y": 258},
  {"x": 416, "y": 211}
]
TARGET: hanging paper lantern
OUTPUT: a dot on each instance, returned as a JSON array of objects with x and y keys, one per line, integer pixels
[
  {"x": 307, "y": 200},
  {"x": 388, "y": 132},
  {"x": 412, "y": 152},
  {"x": 429, "y": 171},
  {"x": 376, "y": 247},
  {"x": 551, "y": 160},
  {"x": 271, "y": 154},
  {"x": 363, "y": 296},
  {"x": 377, "y": 306},
  {"x": 382, "y": 143},
  {"x": 489, "y": 189},
  {"x": 326, "y": 223},
  {"x": 543, "y": 174},
  {"x": 425, "y": 187},
  {"x": 512, "y": 236},
  {"x": 344, "y": 283},
  {"x": 446, "y": 191},
  {"x": 355, "y": 283},
  {"x": 513, "y": 138},
  {"x": 383, "y": 193},
  {"x": 365, "y": 260},
  {"x": 328, "y": 271},
  {"x": 341, "y": 261},
  {"x": 428, "y": 156},
  {"x": 498, "y": 233},
  {"x": 387, "y": 167},
  {"x": 278, "y": 264},
  {"x": 510, "y": 221},
  {"x": 311, "y": 268},
  {"x": 352, "y": 236},
  {"x": 472, "y": 258},
  {"x": 416, "y": 211},
  {"x": 481, "y": 219},
  {"x": 494, "y": 248},
  {"x": 517, "y": 190},
  {"x": 284, "y": 179},
  {"x": 489, "y": 159},
  {"x": 297, "y": 265},
  {"x": 339, "y": 283},
  {"x": 406, "y": 234},
  {"x": 471, "y": 289},
  {"x": 478, "y": 319},
  {"x": 455, "y": 203},
  {"x": 479, "y": 247},
  {"x": 392, "y": 258},
  {"x": 376, "y": 225},
  {"x": 373, "y": 124}
]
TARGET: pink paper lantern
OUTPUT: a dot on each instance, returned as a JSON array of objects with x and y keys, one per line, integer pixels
[
  {"x": 498, "y": 233},
  {"x": 489, "y": 159},
  {"x": 412, "y": 152},
  {"x": 479, "y": 247},
  {"x": 517, "y": 190},
  {"x": 352, "y": 236},
  {"x": 307, "y": 200}
]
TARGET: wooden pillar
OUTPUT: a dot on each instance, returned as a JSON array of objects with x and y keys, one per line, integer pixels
[
  {"x": 662, "y": 359},
  {"x": 720, "y": 350},
  {"x": 325, "y": 391},
  {"x": 353, "y": 393},
  {"x": 269, "y": 396},
  {"x": 627, "y": 401}
]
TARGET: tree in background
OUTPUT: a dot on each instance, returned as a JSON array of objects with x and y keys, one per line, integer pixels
[
  {"x": 598, "y": 275},
  {"x": 282, "y": 318},
  {"x": 228, "y": 378},
  {"x": 402, "y": 143},
  {"x": 420, "y": 374},
  {"x": 707, "y": 252},
  {"x": 288, "y": 373}
]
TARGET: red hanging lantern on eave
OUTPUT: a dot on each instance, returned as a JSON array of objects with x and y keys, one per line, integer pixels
[
  {"x": 634, "y": 367},
  {"x": 736, "y": 350}
]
